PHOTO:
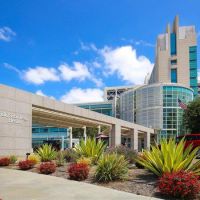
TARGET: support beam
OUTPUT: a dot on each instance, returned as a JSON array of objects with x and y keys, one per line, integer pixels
[
  {"x": 84, "y": 133},
  {"x": 99, "y": 129},
  {"x": 70, "y": 137},
  {"x": 139, "y": 144},
  {"x": 134, "y": 139},
  {"x": 62, "y": 142},
  {"x": 115, "y": 135},
  {"x": 147, "y": 138}
]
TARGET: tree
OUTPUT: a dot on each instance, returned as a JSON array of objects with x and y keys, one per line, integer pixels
[
  {"x": 78, "y": 132},
  {"x": 90, "y": 131},
  {"x": 191, "y": 116}
]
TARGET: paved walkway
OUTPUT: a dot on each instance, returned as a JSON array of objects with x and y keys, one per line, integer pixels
[{"x": 20, "y": 185}]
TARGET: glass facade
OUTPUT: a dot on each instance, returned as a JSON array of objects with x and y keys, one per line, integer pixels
[
  {"x": 173, "y": 43},
  {"x": 103, "y": 108},
  {"x": 56, "y": 136},
  {"x": 193, "y": 69},
  {"x": 148, "y": 106},
  {"x": 127, "y": 102},
  {"x": 174, "y": 75},
  {"x": 156, "y": 106},
  {"x": 172, "y": 112}
]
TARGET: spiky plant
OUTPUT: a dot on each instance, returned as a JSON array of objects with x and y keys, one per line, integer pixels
[
  {"x": 111, "y": 167},
  {"x": 47, "y": 153},
  {"x": 170, "y": 157},
  {"x": 90, "y": 149}
]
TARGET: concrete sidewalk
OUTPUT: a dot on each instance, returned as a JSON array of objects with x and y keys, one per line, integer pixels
[{"x": 20, "y": 185}]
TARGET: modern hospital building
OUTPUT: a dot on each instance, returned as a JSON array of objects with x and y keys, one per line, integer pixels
[
  {"x": 174, "y": 76},
  {"x": 135, "y": 115}
]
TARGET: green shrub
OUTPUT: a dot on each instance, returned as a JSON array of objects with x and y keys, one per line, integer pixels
[
  {"x": 70, "y": 155},
  {"x": 128, "y": 153},
  {"x": 170, "y": 157},
  {"x": 90, "y": 149},
  {"x": 111, "y": 167},
  {"x": 60, "y": 160},
  {"x": 47, "y": 153},
  {"x": 13, "y": 159}
]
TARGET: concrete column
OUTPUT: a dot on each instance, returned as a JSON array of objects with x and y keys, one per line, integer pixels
[
  {"x": 134, "y": 139},
  {"x": 147, "y": 138},
  {"x": 84, "y": 133},
  {"x": 109, "y": 144},
  {"x": 99, "y": 129},
  {"x": 62, "y": 142},
  {"x": 115, "y": 135},
  {"x": 70, "y": 137},
  {"x": 139, "y": 144}
]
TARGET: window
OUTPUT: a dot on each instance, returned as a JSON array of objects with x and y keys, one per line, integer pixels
[
  {"x": 174, "y": 75},
  {"x": 173, "y": 43},
  {"x": 173, "y": 62}
]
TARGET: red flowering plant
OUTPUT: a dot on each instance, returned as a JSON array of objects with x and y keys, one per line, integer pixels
[
  {"x": 25, "y": 164},
  {"x": 78, "y": 171},
  {"x": 47, "y": 167},
  {"x": 180, "y": 184},
  {"x": 4, "y": 161}
]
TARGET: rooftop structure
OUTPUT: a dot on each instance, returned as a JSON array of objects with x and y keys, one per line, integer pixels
[
  {"x": 113, "y": 94},
  {"x": 176, "y": 56}
]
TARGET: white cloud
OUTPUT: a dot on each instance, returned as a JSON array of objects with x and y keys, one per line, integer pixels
[
  {"x": 88, "y": 47},
  {"x": 39, "y": 75},
  {"x": 11, "y": 67},
  {"x": 39, "y": 92},
  {"x": 78, "y": 95},
  {"x": 6, "y": 34},
  {"x": 144, "y": 43},
  {"x": 78, "y": 71},
  {"x": 138, "y": 42},
  {"x": 199, "y": 76},
  {"x": 96, "y": 64},
  {"x": 124, "y": 61}
]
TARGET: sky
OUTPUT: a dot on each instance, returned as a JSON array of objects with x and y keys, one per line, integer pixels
[{"x": 70, "y": 50}]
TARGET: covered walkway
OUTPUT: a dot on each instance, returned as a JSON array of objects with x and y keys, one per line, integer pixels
[{"x": 20, "y": 109}]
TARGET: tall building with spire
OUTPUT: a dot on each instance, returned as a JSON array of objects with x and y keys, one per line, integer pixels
[{"x": 176, "y": 57}]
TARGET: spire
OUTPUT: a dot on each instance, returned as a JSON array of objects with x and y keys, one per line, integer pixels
[
  {"x": 168, "y": 28},
  {"x": 176, "y": 24}
]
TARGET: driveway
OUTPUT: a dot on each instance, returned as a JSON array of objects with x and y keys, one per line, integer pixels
[{"x": 22, "y": 185}]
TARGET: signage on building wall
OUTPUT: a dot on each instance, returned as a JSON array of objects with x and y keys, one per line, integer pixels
[{"x": 13, "y": 118}]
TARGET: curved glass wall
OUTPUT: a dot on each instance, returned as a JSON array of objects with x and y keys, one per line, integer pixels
[
  {"x": 172, "y": 112},
  {"x": 149, "y": 106},
  {"x": 156, "y": 106}
]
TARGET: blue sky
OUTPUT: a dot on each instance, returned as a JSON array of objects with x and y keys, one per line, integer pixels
[{"x": 71, "y": 50}]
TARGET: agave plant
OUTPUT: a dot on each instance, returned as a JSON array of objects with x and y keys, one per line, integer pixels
[
  {"x": 170, "y": 157},
  {"x": 47, "y": 153},
  {"x": 90, "y": 149},
  {"x": 111, "y": 167}
]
